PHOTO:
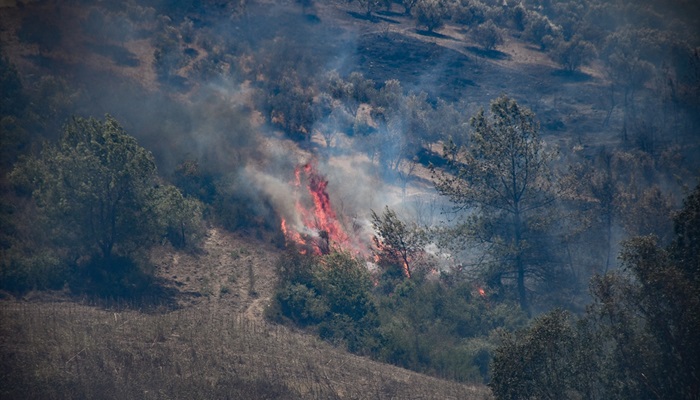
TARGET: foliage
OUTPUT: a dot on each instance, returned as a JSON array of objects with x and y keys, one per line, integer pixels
[
  {"x": 540, "y": 30},
  {"x": 574, "y": 53},
  {"x": 331, "y": 295},
  {"x": 542, "y": 362},
  {"x": 94, "y": 186},
  {"x": 488, "y": 35},
  {"x": 505, "y": 185},
  {"x": 180, "y": 216},
  {"x": 431, "y": 13},
  {"x": 637, "y": 339},
  {"x": 470, "y": 12},
  {"x": 397, "y": 245},
  {"x": 97, "y": 204},
  {"x": 423, "y": 317}
]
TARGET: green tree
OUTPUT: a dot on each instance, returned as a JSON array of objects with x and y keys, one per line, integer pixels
[
  {"x": 397, "y": 244},
  {"x": 95, "y": 188},
  {"x": 469, "y": 12},
  {"x": 431, "y": 13},
  {"x": 540, "y": 362},
  {"x": 540, "y": 30},
  {"x": 504, "y": 184},
  {"x": 180, "y": 217},
  {"x": 329, "y": 294},
  {"x": 574, "y": 53},
  {"x": 488, "y": 35},
  {"x": 345, "y": 284},
  {"x": 638, "y": 339}
]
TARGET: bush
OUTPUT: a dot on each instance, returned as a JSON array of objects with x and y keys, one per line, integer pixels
[
  {"x": 21, "y": 273},
  {"x": 431, "y": 13},
  {"x": 523, "y": 362},
  {"x": 573, "y": 54},
  {"x": 332, "y": 296},
  {"x": 488, "y": 35}
]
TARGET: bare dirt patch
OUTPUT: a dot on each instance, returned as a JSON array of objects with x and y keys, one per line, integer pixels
[{"x": 231, "y": 272}]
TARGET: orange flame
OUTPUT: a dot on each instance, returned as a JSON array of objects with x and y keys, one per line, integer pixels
[{"x": 322, "y": 228}]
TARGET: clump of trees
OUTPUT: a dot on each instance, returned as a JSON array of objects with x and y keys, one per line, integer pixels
[
  {"x": 330, "y": 295},
  {"x": 439, "y": 325},
  {"x": 94, "y": 202},
  {"x": 636, "y": 340}
]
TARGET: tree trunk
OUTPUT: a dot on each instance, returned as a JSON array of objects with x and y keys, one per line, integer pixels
[
  {"x": 608, "y": 223},
  {"x": 520, "y": 264}
]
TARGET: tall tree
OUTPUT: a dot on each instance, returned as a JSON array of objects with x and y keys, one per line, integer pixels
[
  {"x": 504, "y": 184},
  {"x": 95, "y": 188},
  {"x": 638, "y": 339}
]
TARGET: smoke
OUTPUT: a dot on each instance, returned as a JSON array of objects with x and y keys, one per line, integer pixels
[{"x": 198, "y": 83}]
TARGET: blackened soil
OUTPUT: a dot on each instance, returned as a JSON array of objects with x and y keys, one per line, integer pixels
[{"x": 417, "y": 64}]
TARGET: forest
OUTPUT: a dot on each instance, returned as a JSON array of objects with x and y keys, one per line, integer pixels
[{"x": 498, "y": 197}]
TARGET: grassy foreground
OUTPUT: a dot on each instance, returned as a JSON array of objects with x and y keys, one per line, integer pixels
[{"x": 63, "y": 350}]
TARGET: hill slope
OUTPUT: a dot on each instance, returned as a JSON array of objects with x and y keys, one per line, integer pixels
[{"x": 216, "y": 345}]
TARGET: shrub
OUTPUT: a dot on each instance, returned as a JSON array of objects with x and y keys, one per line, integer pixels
[
  {"x": 488, "y": 35},
  {"x": 431, "y": 13},
  {"x": 330, "y": 294},
  {"x": 573, "y": 54}
]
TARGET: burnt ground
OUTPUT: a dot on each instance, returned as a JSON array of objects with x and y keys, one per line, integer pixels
[
  {"x": 440, "y": 71},
  {"x": 448, "y": 64}
]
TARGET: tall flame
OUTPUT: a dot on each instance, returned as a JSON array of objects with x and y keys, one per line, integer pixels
[{"x": 321, "y": 229}]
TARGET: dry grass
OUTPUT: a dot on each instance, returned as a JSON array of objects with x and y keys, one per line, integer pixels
[
  {"x": 215, "y": 345},
  {"x": 66, "y": 350}
]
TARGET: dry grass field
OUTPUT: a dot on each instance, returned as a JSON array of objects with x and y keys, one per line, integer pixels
[{"x": 211, "y": 342}]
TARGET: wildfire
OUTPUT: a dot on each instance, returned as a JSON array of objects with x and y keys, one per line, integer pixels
[
  {"x": 321, "y": 228},
  {"x": 482, "y": 292},
  {"x": 293, "y": 236}
]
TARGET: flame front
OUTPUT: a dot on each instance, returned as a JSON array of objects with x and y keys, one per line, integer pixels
[{"x": 321, "y": 228}]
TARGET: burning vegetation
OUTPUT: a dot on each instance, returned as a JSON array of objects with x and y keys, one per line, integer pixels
[
  {"x": 534, "y": 205},
  {"x": 320, "y": 229}
]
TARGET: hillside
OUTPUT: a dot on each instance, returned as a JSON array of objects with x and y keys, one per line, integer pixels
[
  {"x": 214, "y": 344},
  {"x": 266, "y": 198}
]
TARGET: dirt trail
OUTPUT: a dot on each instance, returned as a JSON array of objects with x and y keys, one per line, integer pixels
[{"x": 231, "y": 272}]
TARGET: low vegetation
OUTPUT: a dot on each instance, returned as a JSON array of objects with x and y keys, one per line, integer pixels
[{"x": 66, "y": 350}]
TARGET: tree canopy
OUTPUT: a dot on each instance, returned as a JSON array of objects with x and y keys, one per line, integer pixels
[
  {"x": 502, "y": 182},
  {"x": 98, "y": 192},
  {"x": 638, "y": 339}
]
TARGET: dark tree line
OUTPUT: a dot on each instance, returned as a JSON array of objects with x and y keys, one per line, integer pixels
[{"x": 638, "y": 338}]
